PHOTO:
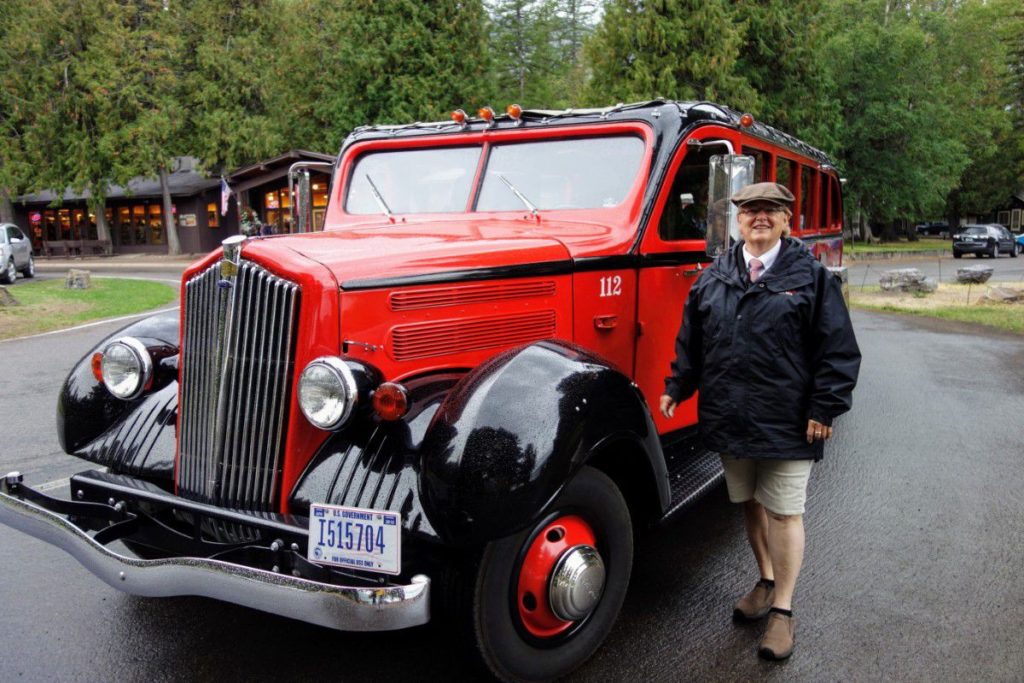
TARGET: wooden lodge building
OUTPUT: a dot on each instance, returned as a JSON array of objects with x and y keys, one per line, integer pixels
[{"x": 134, "y": 213}]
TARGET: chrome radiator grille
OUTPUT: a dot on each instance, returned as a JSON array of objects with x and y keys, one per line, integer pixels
[{"x": 237, "y": 358}]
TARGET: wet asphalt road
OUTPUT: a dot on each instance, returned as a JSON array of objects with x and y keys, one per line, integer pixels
[
  {"x": 1009, "y": 271},
  {"x": 913, "y": 572}
]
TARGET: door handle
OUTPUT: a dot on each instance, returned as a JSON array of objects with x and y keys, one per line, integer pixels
[{"x": 606, "y": 322}]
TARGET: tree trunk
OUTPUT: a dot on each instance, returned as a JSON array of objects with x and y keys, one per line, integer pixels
[
  {"x": 6, "y": 208},
  {"x": 889, "y": 231},
  {"x": 98, "y": 208},
  {"x": 173, "y": 245}
]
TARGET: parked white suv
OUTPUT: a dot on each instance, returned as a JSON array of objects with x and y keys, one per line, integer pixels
[{"x": 15, "y": 254}]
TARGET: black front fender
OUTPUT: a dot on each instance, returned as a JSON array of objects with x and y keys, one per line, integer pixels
[
  {"x": 86, "y": 410},
  {"x": 513, "y": 432}
]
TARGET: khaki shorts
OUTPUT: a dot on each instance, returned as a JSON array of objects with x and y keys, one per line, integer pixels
[{"x": 779, "y": 485}]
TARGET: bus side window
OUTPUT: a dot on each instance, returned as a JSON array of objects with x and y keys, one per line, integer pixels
[
  {"x": 806, "y": 198},
  {"x": 689, "y": 221},
  {"x": 823, "y": 221},
  {"x": 762, "y": 163}
]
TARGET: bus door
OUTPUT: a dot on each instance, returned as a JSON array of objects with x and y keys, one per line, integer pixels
[{"x": 672, "y": 258}]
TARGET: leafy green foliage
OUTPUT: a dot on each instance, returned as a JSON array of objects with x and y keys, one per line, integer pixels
[{"x": 921, "y": 102}]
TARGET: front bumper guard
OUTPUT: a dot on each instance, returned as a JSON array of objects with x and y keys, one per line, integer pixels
[{"x": 346, "y": 608}]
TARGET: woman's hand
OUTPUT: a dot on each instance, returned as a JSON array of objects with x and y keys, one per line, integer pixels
[
  {"x": 668, "y": 405},
  {"x": 815, "y": 431}
]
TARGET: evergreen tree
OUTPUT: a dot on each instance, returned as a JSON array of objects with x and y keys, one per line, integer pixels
[
  {"x": 679, "y": 49},
  {"x": 781, "y": 58},
  {"x": 524, "y": 36},
  {"x": 358, "y": 62},
  {"x": 897, "y": 141}
]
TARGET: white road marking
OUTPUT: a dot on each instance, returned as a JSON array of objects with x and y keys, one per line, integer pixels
[{"x": 92, "y": 324}]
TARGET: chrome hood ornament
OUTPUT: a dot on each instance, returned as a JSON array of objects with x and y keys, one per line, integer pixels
[{"x": 231, "y": 260}]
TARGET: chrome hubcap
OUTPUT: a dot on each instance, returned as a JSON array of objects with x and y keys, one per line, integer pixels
[{"x": 577, "y": 583}]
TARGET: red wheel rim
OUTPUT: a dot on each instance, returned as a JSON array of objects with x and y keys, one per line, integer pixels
[{"x": 532, "y": 597}]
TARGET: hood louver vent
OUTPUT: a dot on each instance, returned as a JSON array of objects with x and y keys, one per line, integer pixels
[
  {"x": 426, "y": 340},
  {"x": 469, "y": 294}
]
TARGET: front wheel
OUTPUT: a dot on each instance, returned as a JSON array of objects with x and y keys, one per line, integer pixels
[
  {"x": 9, "y": 273},
  {"x": 957, "y": 254},
  {"x": 30, "y": 268},
  {"x": 545, "y": 599},
  {"x": 995, "y": 251},
  {"x": 1015, "y": 250}
]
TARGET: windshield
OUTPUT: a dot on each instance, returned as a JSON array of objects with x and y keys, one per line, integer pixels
[
  {"x": 435, "y": 180},
  {"x": 577, "y": 173},
  {"x": 582, "y": 173}
]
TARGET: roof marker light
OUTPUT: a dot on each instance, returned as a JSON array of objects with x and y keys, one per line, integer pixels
[
  {"x": 516, "y": 112},
  {"x": 459, "y": 117},
  {"x": 487, "y": 114},
  {"x": 746, "y": 120}
]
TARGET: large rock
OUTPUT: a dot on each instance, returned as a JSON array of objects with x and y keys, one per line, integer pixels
[
  {"x": 973, "y": 274},
  {"x": 1003, "y": 295},
  {"x": 77, "y": 279},
  {"x": 907, "y": 280},
  {"x": 6, "y": 298}
]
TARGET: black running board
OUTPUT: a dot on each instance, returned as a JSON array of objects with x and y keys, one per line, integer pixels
[{"x": 692, "y": 472}]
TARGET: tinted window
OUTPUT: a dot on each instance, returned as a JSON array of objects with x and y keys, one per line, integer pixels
[
  {"x": 435, "y": 180},
  {"x": 806, "y": 197},
  {"x": 976, "y": 230},
  {"x": 580, "y": 173}
]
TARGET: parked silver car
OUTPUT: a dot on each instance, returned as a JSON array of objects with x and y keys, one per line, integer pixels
[{"x": 15, "y": 254}]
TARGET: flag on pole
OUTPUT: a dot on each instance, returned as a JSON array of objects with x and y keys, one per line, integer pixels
[{"x": 225, "y": 196}]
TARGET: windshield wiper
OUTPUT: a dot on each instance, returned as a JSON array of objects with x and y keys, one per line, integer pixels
[
  {"x": 379, "y": 198},
  {"x": 520, "y": 195}
]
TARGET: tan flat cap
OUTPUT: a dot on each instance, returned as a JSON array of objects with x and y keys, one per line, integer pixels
[{"x": 764, "y": 192}]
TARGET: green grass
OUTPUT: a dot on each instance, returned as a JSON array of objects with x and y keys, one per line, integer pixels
[
  {"x": 923, "y": 244},
  {"x": 48, "y": 306},
  {"x": 952, "y": 302}
]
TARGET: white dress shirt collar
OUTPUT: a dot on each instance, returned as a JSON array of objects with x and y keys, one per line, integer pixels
[{"x": 766, "y": 259}]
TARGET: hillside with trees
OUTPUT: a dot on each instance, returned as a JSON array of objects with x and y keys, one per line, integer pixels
[{"x": 921, "y": 103}]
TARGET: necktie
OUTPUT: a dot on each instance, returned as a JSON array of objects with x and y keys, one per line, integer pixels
[{"x": 756, "y": 268}]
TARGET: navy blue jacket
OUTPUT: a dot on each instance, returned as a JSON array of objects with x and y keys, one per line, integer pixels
[{"x": 765, "y": 356}]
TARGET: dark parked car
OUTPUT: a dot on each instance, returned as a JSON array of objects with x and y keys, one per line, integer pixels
[
  {"x": 15, "y": 254},
  {"x": 941, "y": 229},
  {"x": 990, "y": 240}
]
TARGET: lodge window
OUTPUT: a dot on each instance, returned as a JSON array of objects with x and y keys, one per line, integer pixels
[{"x": 141, "y": 224}]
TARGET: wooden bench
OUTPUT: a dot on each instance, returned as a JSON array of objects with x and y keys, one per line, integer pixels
[
  {"x": 55, "y": 248},
  {"x": 103, "y": 247}
]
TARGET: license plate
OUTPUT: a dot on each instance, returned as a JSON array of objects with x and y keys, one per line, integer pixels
[{"x": 356, "y": 538}]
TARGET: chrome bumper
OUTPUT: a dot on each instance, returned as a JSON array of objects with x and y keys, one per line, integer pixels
[{"x": 345, "y": 608}]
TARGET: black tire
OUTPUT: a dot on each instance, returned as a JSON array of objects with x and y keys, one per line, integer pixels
[
  {"x": 504, "y": 642},
  {"x": 994, "y": 252},
  {"x": 1015, "y": 250},
  {"x": 29, "y": 271},
  {"x": 9, "y": 273},
  {"x": 957, "y": 254}
]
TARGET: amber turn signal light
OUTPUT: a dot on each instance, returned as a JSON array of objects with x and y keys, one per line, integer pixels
[
  {"x": 97, "y": 366},
  {"x": 459, "y": 117},
  {"x": 390, "y": 401},
  {"x": 746, "y": 120},
  {"x": 515, "y": 111},
  {"x": 486, "y": 113}
]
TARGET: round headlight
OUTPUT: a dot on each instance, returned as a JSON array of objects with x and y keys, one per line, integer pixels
[
  {"x": 126, "y": 367},
  {"x": 328, "y": 393}
]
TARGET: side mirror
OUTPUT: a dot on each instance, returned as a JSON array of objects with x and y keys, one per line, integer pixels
[
  {"x": 727, "y": 174},
  {"x": 301, "y": 195}
]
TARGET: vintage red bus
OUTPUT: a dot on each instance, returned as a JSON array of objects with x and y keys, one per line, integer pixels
[{"x": 445, "y": 400}]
